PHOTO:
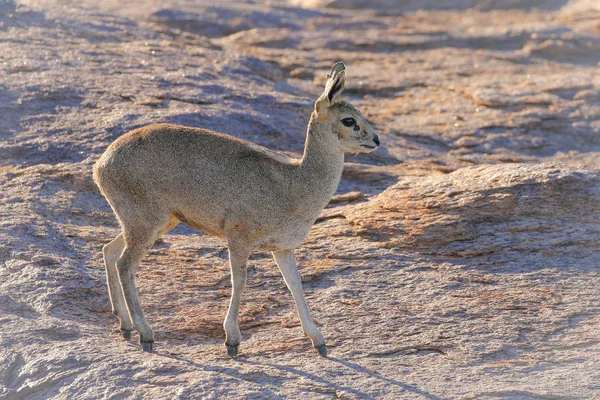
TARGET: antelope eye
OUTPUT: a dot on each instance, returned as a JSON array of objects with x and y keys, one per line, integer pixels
[{"x": 349, "y": 121}]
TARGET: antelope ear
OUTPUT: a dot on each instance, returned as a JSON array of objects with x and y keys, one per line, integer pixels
[{"x": 333, "y": 87}]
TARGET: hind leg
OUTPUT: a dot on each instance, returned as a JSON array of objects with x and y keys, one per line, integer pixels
[
  {"x": 112, "y": 252},
  {"x": 138, "y": 240}
]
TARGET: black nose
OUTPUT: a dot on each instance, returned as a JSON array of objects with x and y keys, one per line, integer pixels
[{"x": 376, "y": 140}]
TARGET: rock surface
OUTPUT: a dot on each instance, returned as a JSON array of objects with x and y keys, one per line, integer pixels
[{"x": 461, "y": 260}]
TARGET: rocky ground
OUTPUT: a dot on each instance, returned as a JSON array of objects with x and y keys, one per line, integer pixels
[{"x": 460, "y": 260}]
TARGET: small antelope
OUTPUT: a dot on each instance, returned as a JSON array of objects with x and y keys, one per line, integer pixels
[{"x": 254, "y": 198}]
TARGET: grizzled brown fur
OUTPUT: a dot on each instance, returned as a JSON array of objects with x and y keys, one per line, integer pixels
[{"x": 255, "y": 198}]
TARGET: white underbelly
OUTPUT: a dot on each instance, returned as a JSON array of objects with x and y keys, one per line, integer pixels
[{"x": 288, "y": 238}]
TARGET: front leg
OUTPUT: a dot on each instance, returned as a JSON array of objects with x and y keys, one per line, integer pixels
[
  {"x": 286, "y": 261},
  {"x": 238, "y": 257}
]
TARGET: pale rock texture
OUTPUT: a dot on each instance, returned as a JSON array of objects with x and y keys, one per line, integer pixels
[{"x": 460, "y": 260}]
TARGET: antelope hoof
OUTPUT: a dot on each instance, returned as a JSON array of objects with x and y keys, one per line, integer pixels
[
  {"x": 322, "y": 350},
  {"x": 147, "y": 346},
  {"x": 232, "y": 351},
  {"x": 126, "y": 333}
]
